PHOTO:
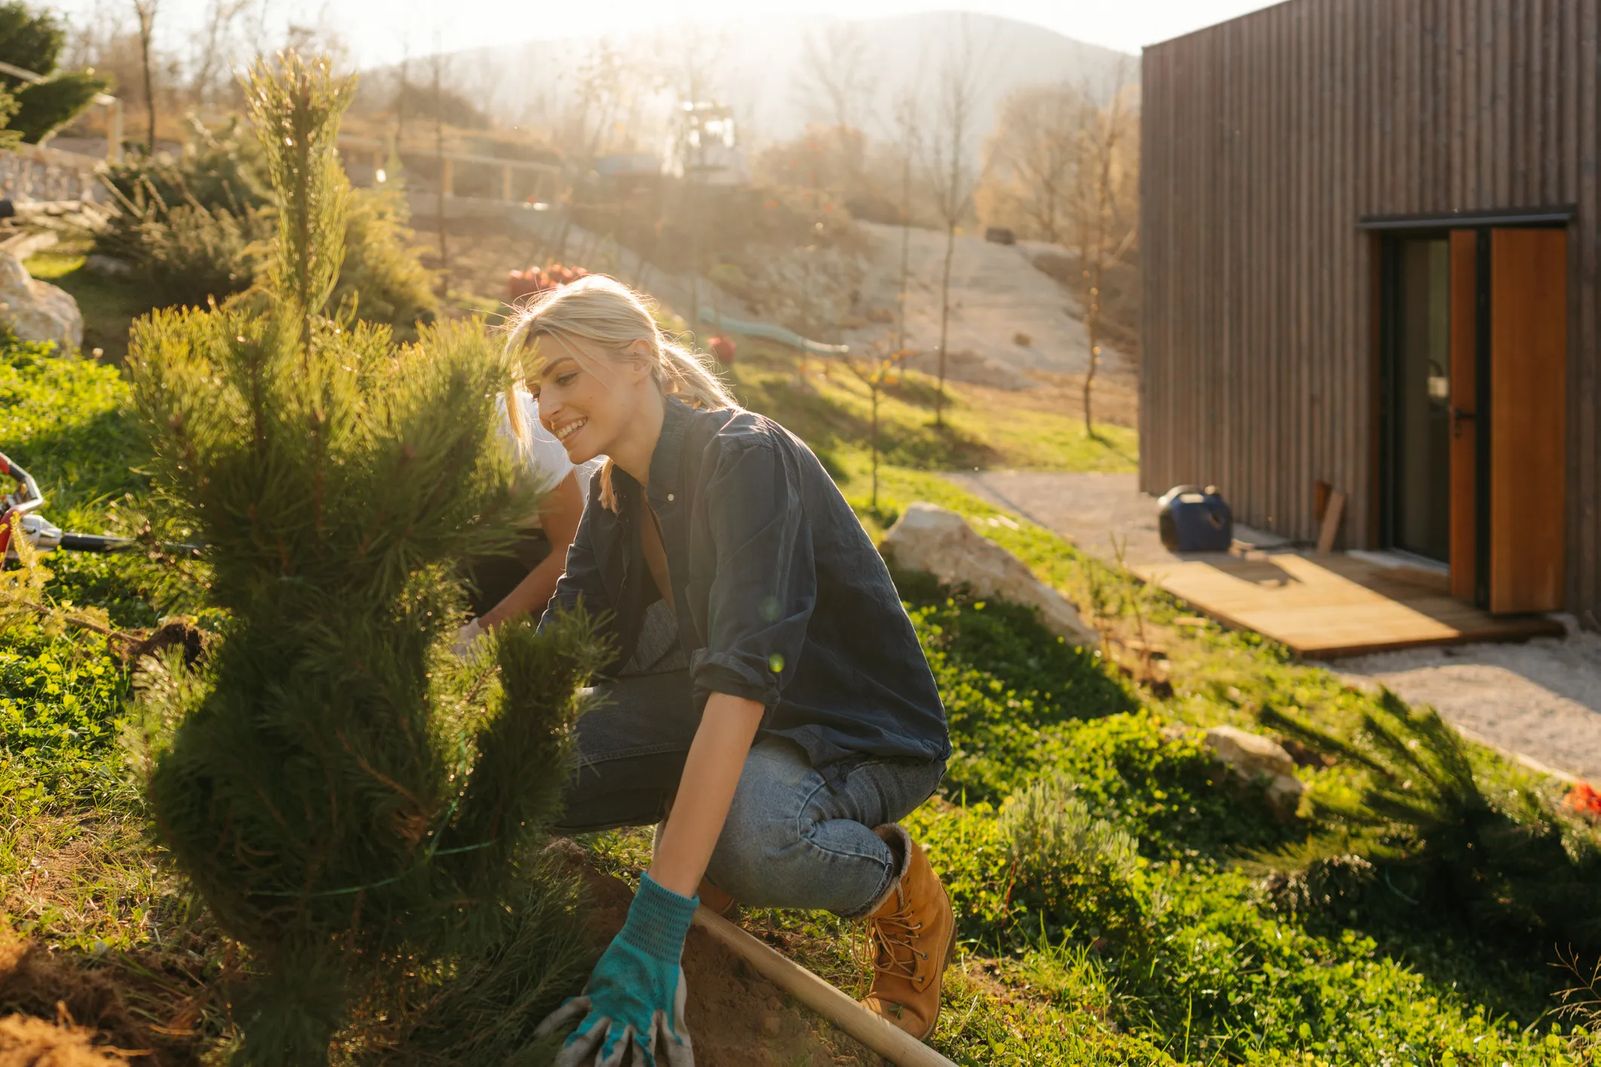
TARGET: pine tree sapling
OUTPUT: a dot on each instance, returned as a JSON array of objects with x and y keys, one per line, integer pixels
[
  {"x": 347, "y": 799},
  {"x": 31, "y": 39},
  {"x": 1505, "y": 858}
]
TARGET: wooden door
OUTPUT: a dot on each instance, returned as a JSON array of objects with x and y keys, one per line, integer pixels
[
  {"x": 1464, "y": 475},
  {"x": 1528, "y": 419}
]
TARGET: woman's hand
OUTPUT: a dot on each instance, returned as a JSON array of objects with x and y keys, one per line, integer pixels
[
  {"x": 634, "y": 1002},
  {"x": 466, "y": 637}
]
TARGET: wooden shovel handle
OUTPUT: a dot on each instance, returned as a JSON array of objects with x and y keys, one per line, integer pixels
[{"x": 884, "y": 1038}]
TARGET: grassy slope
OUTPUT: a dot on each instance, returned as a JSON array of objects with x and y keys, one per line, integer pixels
[{"x": 1055, "y": 972}]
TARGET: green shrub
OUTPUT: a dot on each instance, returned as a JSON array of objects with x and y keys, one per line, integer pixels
[
  {"x": 1166, "y": 788},
  {"x": 197, "y": 227},
  {"x": 61, "y": 700},
  {"x": 1498, "y": 857},
  {"x": 1200, "y": 970},
  {"x": 353, "y": 804},
  {"x": 381, "y": 273},
  {"x": 220, "y": 170},
  {"x": 190, "y": 255},
  {"x": 48, "y": 105},
  {"x": 1061, "y": 858},
  {"x": 33, "y": 41}
]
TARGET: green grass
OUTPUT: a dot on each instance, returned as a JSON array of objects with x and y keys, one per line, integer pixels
[{"x": 830, "y": 408}]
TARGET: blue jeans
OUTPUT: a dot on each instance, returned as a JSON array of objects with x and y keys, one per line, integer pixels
[{"x": 794, "y": 838}]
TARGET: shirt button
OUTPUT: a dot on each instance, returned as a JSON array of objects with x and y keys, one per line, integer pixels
[{"x": 669, "y": 498}]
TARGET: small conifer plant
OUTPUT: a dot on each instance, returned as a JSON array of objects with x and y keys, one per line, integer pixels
[{"x": 350, "y": 802}]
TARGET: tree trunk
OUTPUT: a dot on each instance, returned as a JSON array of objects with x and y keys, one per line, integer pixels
[
  {"x": 439, "y": 199},
  {"x": 944, "y": 320},
  {"x": 147, "y": 21},
  {"x": 1092, "y": 327},
  {"x": 906, "y": 250},
  {"x": 874, "y": 438}
]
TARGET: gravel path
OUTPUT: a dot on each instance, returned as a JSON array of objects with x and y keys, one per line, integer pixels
[{"x": 1539, "y": 700}]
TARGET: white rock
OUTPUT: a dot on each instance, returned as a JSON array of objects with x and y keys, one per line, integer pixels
[
  {"x": 939, "y": 542},
  {"x": 109, "y": 266},
  {"x": 1251, "y": 756},
  {"x": 35, "y": 310}
]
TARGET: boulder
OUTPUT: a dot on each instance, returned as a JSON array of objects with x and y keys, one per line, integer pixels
[
  {"x": 35, "y": 310},
  {"x": 939, "y": 542},
  {"x": 1253, "y": 758}
]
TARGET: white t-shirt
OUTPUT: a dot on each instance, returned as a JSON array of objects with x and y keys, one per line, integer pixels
[{"x": 541, "y": 457}]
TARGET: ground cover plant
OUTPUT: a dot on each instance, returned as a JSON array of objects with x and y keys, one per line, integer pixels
[{"x": 1119, "y": 900}]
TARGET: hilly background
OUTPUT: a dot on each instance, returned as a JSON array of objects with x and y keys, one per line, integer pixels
[{"x": 759, "y": 67}]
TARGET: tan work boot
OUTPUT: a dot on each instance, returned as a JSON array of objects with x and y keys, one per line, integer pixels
[
  {"x": 912, "y": 933},
  {"x": 710, "y": 896}
]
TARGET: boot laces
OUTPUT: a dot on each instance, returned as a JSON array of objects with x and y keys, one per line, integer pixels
[{"x": 894, "y": 943}]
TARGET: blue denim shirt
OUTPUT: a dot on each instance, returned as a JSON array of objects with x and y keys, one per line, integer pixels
[{"x": 780, "y": 595}]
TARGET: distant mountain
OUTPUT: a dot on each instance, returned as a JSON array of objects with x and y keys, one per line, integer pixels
[{"x": 757, "y": 67}]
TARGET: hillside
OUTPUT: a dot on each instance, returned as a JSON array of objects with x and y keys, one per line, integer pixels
[{"x": 756, "y": 65}]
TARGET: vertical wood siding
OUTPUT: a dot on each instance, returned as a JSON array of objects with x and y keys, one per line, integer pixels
[{"x": 1263, "y": 141}]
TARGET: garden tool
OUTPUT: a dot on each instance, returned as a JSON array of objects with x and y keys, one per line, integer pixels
[{"x": 24, "y": 505}]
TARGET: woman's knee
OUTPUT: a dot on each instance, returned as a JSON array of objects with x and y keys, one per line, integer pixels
[
  {"x": 759, "y": 860},
  {"x": 761, "y": 848}
]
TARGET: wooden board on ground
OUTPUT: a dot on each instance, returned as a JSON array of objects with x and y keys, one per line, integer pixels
[
  {"x": 1333, "y": 605},
  {"x": 1331, "y": 523}
]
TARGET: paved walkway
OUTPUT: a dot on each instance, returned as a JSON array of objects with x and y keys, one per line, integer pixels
[{"x": 1540, "y": 699}]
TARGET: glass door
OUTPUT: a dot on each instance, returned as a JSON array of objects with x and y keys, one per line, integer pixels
[{"x": 1418, "y": 395}]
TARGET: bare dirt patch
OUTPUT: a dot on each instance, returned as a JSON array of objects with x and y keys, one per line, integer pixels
[
  {"x": 67, "y": 1005},
  {"x": 30, "y": 1042},
  {"x": 999, "y": 298}
]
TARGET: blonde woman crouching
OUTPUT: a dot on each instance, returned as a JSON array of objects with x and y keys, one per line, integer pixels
[{"x": 769, "y": 693}]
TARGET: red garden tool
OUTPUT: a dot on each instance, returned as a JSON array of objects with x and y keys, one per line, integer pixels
[{"x": 20, "y": 511}]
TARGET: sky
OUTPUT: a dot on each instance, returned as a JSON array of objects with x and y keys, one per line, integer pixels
[{"x": 376, "y": 31}]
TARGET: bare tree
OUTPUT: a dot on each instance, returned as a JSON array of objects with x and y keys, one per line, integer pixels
[
  {"x": 951, "y": 175},
  {"x": 874, "y": 372},
  {"x": 1106, "y": 213},
  {"x": 214, "y": 46},
  {"x": 907, "y": 130},
  {"x": 402, "y": 88},
  {"x": 145, "y": 11},
  {"x": 834, "y": 77},
  {"x": 603, "y": 86},
  {"x": 436, "y": 66},
  {"x": 1032, "y": 160},
  {"x": 835, "y": 82}
]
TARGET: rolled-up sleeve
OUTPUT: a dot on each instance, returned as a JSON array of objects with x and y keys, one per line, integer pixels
[{"x": 764, "y": 584}]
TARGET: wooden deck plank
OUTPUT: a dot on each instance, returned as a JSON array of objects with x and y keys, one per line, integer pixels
[{"x": 1335, "y": 605}]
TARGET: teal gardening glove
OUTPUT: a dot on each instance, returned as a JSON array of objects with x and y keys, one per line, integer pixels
[{"x": 635, "y": 996}]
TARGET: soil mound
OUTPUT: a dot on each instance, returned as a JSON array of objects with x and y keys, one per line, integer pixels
[{"x": 736, "y": 1017}]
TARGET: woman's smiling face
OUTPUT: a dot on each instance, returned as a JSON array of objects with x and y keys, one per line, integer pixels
[{"x": 585, "y": 413}]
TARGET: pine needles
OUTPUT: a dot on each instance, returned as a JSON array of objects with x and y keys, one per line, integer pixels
[
  {"x": 1505, "y": 858},
  {"x": 347, "y": 800}
]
